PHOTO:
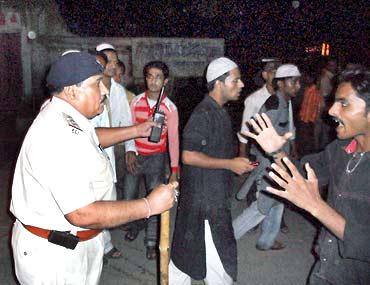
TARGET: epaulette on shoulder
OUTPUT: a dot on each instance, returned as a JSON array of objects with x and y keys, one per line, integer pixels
[
  {"x": 71, "y": 122},
  {"x": 272, "y": 103}
]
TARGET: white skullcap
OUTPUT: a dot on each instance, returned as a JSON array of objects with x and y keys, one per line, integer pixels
[
  {"x": 104, "y": 46},
  {"x": 287, "y": 70},
  {"x": 219, "y": 66},
  {"x": 69, "y": 51}
]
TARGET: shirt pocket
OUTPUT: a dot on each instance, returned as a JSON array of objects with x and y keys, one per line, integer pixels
[{"x": 102, "y": 183}]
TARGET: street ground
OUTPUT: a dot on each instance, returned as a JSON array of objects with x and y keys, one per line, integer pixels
[{"x": 288, "y": 266}]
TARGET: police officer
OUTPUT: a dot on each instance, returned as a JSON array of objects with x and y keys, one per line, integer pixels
[{"x": 62, "y": 186}]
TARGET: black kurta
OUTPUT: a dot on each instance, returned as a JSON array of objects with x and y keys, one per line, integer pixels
[
  {"x": 347, "y": 261},
  {"x": 205, "y": 194}
]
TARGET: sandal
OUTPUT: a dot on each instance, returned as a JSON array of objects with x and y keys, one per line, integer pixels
[
  {"x": 114, "y": 253},
  {"x": 151, "y": 252},
  {"x": 132, "y": 234}
]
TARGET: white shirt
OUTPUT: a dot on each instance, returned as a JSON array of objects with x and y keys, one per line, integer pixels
[
  {"x": 121, "y": 113},
  {"x": 102, "y": 121},
  {"x": 252, "y": 105},
  {"x": 60, "y": 168},
  {"x": 326, "y": 85}
]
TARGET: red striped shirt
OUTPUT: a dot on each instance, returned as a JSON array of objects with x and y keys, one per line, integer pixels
[{"x": 142, "y": 112}]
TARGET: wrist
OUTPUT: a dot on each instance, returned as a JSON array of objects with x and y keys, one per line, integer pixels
[
  {"x": 275, "y": 154},
  {"x": 136, "y": 131},
  {"x": 229, "y": 164},
  {"x": 317, "y": 209},
  {"x": 149, "y": 210}
]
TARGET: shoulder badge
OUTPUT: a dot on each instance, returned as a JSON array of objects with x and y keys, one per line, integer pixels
[{"x": 72, "y": 123}]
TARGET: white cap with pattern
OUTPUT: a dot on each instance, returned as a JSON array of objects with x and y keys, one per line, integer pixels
[
  {"x": 287, "y": 70},
  {"x": 219, "y": 66},
  {"x": 104, "y": 46}
]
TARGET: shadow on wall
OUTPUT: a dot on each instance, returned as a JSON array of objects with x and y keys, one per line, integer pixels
[{"x": 187, "y": 94}]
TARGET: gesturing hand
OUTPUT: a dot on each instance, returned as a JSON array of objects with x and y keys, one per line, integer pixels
[
  {"x": 240, "y": 165},
  {"x": 302, "y": 192},
  {"x": 266, "y": 137}
]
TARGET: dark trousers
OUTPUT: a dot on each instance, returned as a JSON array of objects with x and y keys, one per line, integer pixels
[{"x": 152, "y": 169}]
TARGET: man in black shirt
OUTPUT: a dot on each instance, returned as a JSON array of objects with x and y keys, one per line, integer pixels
[
  {"x": 343, "y": 245},
  {"x": 204, "y": 246}
]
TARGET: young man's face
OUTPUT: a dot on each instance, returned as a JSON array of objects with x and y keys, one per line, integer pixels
[
  {"x": 155, "y": 81},
  {"x": 110, "y": 68},
  {"x": 332, "y": 66},
  {"x": 349, "y": 111},
  {"x": 232, "y": 86},
  {"x": 90, "y": 96},
  {"x": 291, "y": 86}
]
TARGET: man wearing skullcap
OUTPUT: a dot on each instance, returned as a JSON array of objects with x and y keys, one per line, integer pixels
[
  {"x": 252, "y": 105},
  {"x": 254, "y": 101},
  {"x": 116, "y": 113},
  {"x": 204, "y": 246},
  {"x": 63, "y": 181},
  {"x": 267, "y": 208},
  {"x": 342, "y": 248}
]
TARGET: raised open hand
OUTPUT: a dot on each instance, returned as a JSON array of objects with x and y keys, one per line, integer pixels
[
  {"x": 302, "y": 192},
  {"x": 266, "y": 136}
]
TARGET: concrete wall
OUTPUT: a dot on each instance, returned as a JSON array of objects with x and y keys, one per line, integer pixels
[
  {"x": 31, "y": 18},
  {"x": 185, "y": 57}
]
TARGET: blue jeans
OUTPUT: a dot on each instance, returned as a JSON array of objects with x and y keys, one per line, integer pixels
[
  {"x": 251, "y": 217},
  {"x": 152, "y": 169}
]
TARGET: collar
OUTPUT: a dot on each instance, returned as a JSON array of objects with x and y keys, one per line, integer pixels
[
  {"x": 212, "y": 102},
  {"x": 65, "y": 107},
  {"x": 282, "y": 101},
  {"x": 163, "y": 100},
  {"x": 351, "y": 147},
  {"x": 264, "y": 88}
]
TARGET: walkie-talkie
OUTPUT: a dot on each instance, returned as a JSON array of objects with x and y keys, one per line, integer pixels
[{"x": 158, "y": 117}]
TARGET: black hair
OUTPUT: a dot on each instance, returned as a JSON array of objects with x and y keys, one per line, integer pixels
[
  {"x": 156, "y": 64},
  {"x": 359, "y": 78},
  {"x": 211, "y": 84}
]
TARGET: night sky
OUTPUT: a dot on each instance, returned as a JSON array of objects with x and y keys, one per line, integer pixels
[{"x": 251, "y": 29}]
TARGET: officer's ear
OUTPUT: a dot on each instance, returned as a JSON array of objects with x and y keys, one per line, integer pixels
[{"x": 69, "y": 92}]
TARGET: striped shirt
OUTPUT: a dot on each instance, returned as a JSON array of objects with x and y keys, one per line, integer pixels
[{"x": 141, "y": 112}]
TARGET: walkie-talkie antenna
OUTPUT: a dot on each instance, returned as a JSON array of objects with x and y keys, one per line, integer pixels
[{"x": 159, "y": 100}]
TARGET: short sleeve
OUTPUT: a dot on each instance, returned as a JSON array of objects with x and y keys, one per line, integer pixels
[{"x": 70, "y": 178}]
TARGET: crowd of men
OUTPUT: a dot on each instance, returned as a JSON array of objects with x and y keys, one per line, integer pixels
[{"x": 82, "y": 160}]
